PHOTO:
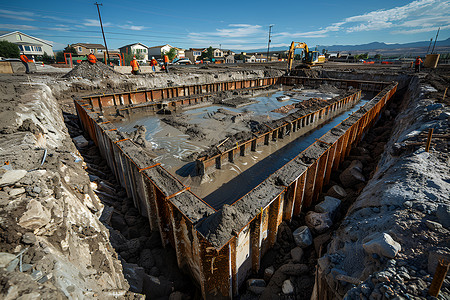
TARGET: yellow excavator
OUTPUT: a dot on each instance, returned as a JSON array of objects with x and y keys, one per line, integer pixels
[{"x": 311, "y": 58}]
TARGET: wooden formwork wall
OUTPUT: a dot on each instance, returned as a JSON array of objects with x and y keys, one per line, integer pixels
[{"x": 220, "y": 271}]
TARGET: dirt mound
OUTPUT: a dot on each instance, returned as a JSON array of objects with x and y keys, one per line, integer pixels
[{"x": 96, "y": 71}]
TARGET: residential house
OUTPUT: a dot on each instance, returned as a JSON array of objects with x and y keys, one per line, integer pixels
[
  {"x": 228, "y": 52},
  {"x": 194, "y": 54},
  {"x": 157, "y": 51},
  {"x": 86, "y": 48},
  {"x": 260, "y": 57},
  {"x": 250, "y": 58},
  {"x": 29, "y": 45},
  {"x": 137, "y": 49},
  {"x": 229, "y": 59}
]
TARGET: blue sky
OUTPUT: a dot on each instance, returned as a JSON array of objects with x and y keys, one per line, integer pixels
[{"x": 231, "y": 25}]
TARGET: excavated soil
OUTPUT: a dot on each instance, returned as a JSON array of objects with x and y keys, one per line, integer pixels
[{"x": 96, "y": 71}]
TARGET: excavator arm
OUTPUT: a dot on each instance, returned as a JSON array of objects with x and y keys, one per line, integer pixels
[{"x": 295, "y": 45}]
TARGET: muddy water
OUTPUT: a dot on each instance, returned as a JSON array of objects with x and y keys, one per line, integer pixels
[
  {"x": 234, "y": 180},
  {"x": 171, "y": 146}
]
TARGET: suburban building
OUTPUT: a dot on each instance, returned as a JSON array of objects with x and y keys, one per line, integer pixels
[
  {"x": 156, "y": 51},
  {"x": 228, "y": 52},
  {"x": 250, "y": 58},
  {"x": 229, "y": 59},
  {"x": 86, "y": 48},
  {"x": 194, "y": 54},
  {"x": 137, "y": 48},
  {"x": 29, "y": 45},
  {"x": 217, "y": 53}
]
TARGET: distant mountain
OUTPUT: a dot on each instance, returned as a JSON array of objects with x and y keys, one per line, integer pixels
[
  {"x": 370, "y": 47},
  {"x": 377, "y": 45}
]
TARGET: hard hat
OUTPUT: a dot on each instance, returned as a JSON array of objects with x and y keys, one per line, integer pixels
[
  {"x": 153, "y": 57},
  {"x": 134, "y": 57}
]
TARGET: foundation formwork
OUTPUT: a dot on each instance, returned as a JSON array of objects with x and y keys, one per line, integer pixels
[{"x": 220, "y": 260}]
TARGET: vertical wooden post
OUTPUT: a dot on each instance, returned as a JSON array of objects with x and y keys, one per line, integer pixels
[{"x": 430, "y": 135}]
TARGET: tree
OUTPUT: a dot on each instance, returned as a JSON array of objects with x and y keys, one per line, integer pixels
[
  {"x": 60, "y": 56},
  {"x": 378, "y": 56},
  {"x": 47, "y": 58},
  {"x": 239, "y": 57},
  {"x": 9, "y": 50},
  {"x": 129, "y": 57},
  {"x": 70, "y": 49},
  {"x": 209, "y": 53},
  {"x": 170, "y": 54}
]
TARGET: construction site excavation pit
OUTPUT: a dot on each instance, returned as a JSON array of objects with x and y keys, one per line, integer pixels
[
  {"x": 216, "y": 168},
  {"x": 176, "y": 140}
]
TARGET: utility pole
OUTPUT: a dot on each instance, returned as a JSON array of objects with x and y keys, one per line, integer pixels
[
  {"x": 437, "y": 34},
  {"x": 268, "y": 44},
  {"x": 103, "y": 33}
]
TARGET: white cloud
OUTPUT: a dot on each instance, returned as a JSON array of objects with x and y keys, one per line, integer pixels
[
  {"x": 132, "y": 27},
  {"x": 418, "y": 16},
  {"x": 17, "y": 13},
  {"x": 17, "y": 27},
  {"x": 95, "y": 23},
  {"x": 233, "y": 31},
  {"x": 16, "y": 17},
  {"x": 420, "y": 30}
]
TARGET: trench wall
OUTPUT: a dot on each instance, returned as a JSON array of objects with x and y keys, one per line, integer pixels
[{"x": 220, "y": 260}]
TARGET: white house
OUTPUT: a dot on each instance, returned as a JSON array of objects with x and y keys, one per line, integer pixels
[
  {"x": 156, "y": 51},
  {"x": 29, "y": 45},
  {"x": 136, "y": 48}
]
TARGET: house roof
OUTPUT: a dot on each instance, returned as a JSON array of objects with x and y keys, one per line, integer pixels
[
  {"x": 5, "y": 33},
  {"x": 196, "y": 49},
  {"x": 160, "y": 46},
  {"x": 89, "y": 46},
  {"x": 133, "y": 45}
]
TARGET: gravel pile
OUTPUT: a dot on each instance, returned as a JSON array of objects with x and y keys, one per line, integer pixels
[{"x": 96, "y": 71}]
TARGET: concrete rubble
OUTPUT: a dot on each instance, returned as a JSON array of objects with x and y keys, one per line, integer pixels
[{"x": 395, "y": 231}]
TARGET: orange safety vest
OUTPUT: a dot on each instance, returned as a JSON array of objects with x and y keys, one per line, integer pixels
[
  {"x": 134, "y": 65},
  {"x": 166, "y": 59},
  {"x": 153, "y": 62},
  {"x": 24, "y": 58},
  {"x": 418, "y": 61},
  {"x": 92, "y": 58}
]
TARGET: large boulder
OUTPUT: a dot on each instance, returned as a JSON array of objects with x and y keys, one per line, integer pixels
[
  {"x": 381, "y": 244},
  {"x": 352, "y": 175},
  {"x": 336, "y": 191},
  {"x": 329, "y": 205},
  {"x": 320, "y": 222},
  {"x": 36, "y": 216},
  {"x": 302, "y": 236},
  {"x": 11, "y": 176},
  {"x": 443, "y": 215}
]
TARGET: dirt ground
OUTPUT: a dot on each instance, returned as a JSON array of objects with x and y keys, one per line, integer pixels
[{"x": 405, "y": 194}]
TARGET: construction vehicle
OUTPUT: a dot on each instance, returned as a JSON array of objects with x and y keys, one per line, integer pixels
[{"x": 309, "y": 59}]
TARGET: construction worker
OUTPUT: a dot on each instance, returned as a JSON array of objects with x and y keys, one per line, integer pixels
[
  {"x": 153, "y": 63},
  {"x": 24, "y": 59},
  {"x": 417, "y": 64},
  {"x": 134, "y": 66},
  {"x": 91, "y": 58},
  {"x": 166, "y": 63}
]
